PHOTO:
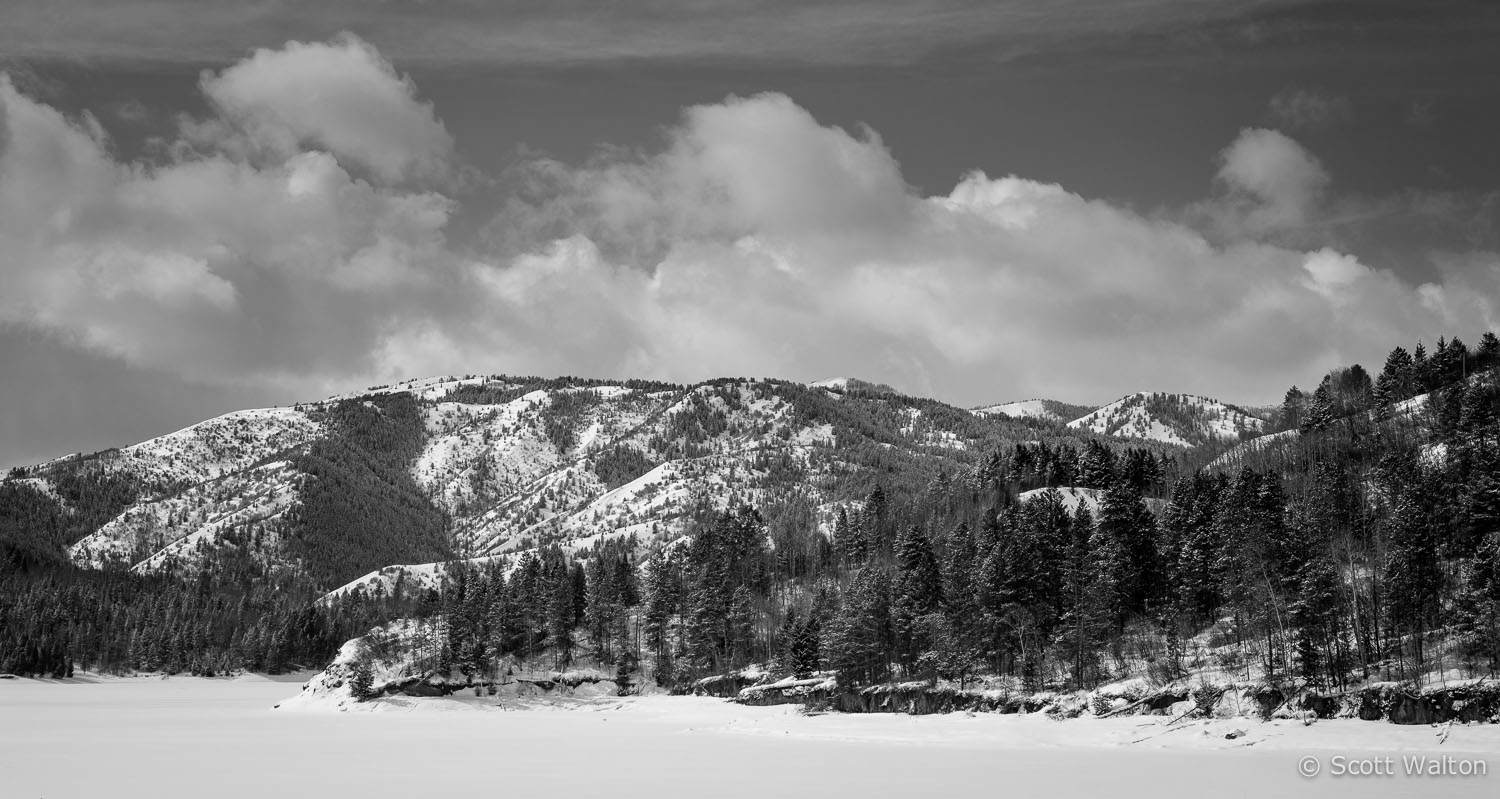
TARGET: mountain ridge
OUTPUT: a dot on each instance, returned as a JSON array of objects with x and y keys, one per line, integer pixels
[
  {"x": 1186, "y": 420},
  {"x": 507, "y": 463}
]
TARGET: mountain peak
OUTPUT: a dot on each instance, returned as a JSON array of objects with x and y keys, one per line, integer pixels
[
  {"x": 1049, "y": 410},
  {"x": 1185, "y": 420},
  {"x": 847, "y": 384}
]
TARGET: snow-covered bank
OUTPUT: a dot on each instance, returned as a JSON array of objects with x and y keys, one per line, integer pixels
[{"x": 194, "y": 737}]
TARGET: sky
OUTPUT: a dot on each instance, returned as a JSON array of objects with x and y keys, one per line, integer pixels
[{"x": 206, "y": 205}]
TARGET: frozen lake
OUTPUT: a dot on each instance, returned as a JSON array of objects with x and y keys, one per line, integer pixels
[{"x": 192, "y": 737}]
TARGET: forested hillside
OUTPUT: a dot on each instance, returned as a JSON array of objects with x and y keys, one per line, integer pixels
[{"x": 674, "y": 533}]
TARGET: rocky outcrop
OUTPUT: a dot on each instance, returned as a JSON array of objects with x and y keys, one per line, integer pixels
[
  {"x": 1468, "y": 702},
  {"x": 1268, "y": 699},
  {"x": 1400, "y": 704},
  {"x": 1321, "y": 706}
]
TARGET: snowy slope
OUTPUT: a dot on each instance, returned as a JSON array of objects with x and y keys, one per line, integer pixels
[
  {"x": 1182, "y": 419},
  {"x": 1234, "y": 456},
  {"x": 240, "y": 510},
  {"x": 1412, "y": 408},
  {"x": 1074, "y": 496},
  {"x": 208, "y": 450},
  {"x": 201, "y": 488},
  {"x": 1046, "y": 410}
]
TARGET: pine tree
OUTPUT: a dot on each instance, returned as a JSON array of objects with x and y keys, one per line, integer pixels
[
  {"x": 1397, "y": 381},
  {"x": 958, "y": 571},
  {"x": 1421, "y": 369},
  {"x": 1479, "y": 602},
  {"x": 874, "y": 522},
  {"x": 1129, "y": 532},
  {"x": 1487, "y": 356},
  {"x": 805, "y": 652},
  {"x": 1089, "y": 597},
  {"x": 916, "y": 592},
  {"x": 1413, "y": 574},
  {"x": 1321, "y": 411},
  {"x": 1293, "y": 409},
  {"x": 918, "y": 583},
  {"x": 849, "y": 539},
  {"x": 1314, "y": 617},
  {"x": 361, "y": 680},
  {"x": 858, "y": 638},
  {"x": 1196, "y": 550},
  {"x": 561, "y": 611}
]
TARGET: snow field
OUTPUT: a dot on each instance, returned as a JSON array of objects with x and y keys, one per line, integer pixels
[{"x": 199, "y": 737}]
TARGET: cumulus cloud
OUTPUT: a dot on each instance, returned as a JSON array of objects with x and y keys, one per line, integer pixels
[
  {"x": 747, "y": 165},
  {"x": 1269, "y": 187},
  {"x": 341, "y": 96},
  {"x": 211, "y": 266},
  {"x": 1003, "y": 285},
  {"x": 755, "y": 241}
]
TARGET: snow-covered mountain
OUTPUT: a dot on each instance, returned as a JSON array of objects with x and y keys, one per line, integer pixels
[
  {"x": 503, "y": 464},
  {"x": 373, "y": 490},
  {"x": 1044, "y": 409},
  {"x": 1182, "y": 419}
]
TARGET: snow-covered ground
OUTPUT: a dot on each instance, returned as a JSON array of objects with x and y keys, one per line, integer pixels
[
  {"x": 1025, "y": 409},
  {"x": 196, "y": 737}
]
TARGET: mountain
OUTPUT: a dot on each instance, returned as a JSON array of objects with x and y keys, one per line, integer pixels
[
  {"x": 1185, "y": 420},
  {"x": 414, "y": 474},
  {"x": 1044, "y": 409},
  {"x": 682, "y": 533},
  {"x": 846, "y": 384}
]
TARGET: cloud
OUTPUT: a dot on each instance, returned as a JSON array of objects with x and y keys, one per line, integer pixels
[
  {"x": 1298, "y": 107},
  {"x": 1270, "y": 186},
  {"x": 755, "y": 241},
  {"x": 730, "y": 169},
  {"x": 213, "y": 266},
  {"x": 1003, "y": 286},
  {"x": 341, "y": 96}
]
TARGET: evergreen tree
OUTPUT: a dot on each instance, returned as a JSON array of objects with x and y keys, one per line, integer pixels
[
  {"x": 916, "y": 592},
  {"x": 1413, "y": 575},
  {"x": 849, "y": 539},
  {"x": 1134, "y": 564},
  {"x": 874, "y": 521},
  {"x": 857, "y": 640},
  {"x": 1397, "y": 381},
  {"x": 1089, "y": 595},
  {"x": 1314, "y": 616},
  {"x": 1479, "y": 602},
  {"x": 361, "y": 680},
  {"x": 1293, "y": 409},
  {"x": 1487, "y": 355}
]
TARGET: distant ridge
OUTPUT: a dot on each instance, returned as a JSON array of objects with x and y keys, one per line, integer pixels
[{"x": 1186, "y": 420}]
